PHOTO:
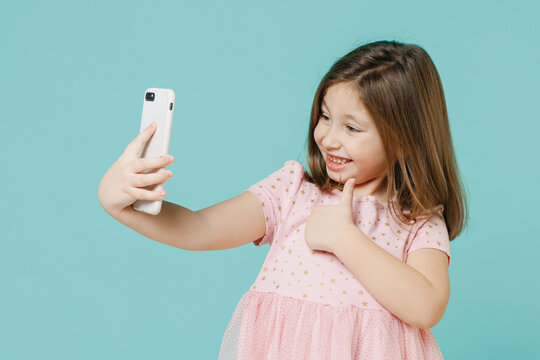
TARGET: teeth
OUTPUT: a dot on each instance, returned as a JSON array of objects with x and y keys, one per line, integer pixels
[{"x": 338, "y": 161}]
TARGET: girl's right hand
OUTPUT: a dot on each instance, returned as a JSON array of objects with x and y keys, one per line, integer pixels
[{"x": 123, "y": 183}]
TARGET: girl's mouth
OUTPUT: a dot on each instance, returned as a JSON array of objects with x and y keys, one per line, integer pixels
[{"x": 336, "y": 166}]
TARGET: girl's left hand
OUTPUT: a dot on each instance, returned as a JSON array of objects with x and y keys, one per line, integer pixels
[{"x": 325, "y": 224}]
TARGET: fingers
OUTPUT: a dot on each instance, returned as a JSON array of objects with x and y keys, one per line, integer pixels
[
  {"x": 135, "y": 147},
  {"x": 142, "y": 180},
  {"x": 143, "y": 194},
  {"x": 158, "y": 162}
]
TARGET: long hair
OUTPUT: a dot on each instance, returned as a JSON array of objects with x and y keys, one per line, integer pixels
[{"x": 401, "y": 89}]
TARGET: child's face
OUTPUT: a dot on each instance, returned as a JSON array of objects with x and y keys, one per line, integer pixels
[{"x": 336, "y": 134}]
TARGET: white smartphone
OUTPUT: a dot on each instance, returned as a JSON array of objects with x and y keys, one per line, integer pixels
[{"x": 158, "y": 107}]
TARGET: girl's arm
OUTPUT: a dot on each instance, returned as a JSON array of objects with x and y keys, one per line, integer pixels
[
  {"x": 417, "y": 297},
  {"x": 231, "y": 223}
]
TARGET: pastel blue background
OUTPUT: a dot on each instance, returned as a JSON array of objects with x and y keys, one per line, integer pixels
[{"x": 77, "y": 284}]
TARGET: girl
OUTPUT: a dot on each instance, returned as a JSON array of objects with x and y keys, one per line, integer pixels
[{"x": 359, "y": 250}]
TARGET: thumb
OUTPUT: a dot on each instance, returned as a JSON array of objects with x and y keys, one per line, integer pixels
[{"x": 347, "y": 195}]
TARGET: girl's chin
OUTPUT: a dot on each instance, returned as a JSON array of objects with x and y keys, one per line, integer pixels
[{"x": 339, "y": 177}]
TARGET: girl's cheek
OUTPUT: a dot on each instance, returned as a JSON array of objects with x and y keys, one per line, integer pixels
[{"x": 317, "y": 135}]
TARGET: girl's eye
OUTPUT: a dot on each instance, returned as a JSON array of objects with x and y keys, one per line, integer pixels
[{"x": 354, "y": 130}]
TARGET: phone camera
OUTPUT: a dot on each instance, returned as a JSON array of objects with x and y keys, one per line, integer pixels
[
  {"x": 170, "y": 106},
  {"x": 150, "y": 96}
]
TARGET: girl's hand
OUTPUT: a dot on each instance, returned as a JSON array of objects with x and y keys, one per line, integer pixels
[
  {"x": 325, "y": 224},
  {"x": 123, "y": 183}
]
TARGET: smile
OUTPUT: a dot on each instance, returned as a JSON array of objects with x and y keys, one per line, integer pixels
[{"x": 336, "y": 164}]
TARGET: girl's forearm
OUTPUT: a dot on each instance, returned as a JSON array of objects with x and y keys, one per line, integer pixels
[
  {"x": 400, "y": 288},
  {"x": 175, "y": 225}
]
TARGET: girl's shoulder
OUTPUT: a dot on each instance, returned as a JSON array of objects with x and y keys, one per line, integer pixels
[
  {"x": 291, "y": 173},
  {"x": 293, "y": 165},
  {"x": 277, "y": 192},
  {"x": 283, "y": 182}
]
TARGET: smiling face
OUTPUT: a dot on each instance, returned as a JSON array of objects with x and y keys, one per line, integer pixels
[{"x": 345, "y": 129}]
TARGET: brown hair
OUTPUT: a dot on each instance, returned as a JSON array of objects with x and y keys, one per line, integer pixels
[{"x": 401, "y": 89}]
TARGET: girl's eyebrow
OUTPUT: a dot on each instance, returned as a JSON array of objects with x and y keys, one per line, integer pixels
[{"x": 359, "y": 121}]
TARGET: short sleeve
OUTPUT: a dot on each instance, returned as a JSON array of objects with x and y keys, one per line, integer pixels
[
  {"x": 433, "y": 234},
  {"x": 275, "y": 193}
]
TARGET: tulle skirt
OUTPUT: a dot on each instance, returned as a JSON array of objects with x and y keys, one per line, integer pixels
[{"x": 270, "y": 326}]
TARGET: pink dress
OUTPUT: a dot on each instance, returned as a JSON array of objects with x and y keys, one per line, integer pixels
[{"x": 306, "y": 304}]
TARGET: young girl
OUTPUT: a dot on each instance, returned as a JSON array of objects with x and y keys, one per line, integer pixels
[{"x": 359, "y": 250}]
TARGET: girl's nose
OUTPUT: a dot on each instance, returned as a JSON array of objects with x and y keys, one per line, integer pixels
[{"x": 330, "y": 140}]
